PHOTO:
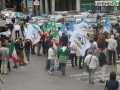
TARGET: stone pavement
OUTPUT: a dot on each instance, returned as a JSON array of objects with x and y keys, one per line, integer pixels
[{"x": 33, "y": 76}]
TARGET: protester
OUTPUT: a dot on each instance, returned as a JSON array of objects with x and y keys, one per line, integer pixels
[
  {"x": 79, "y": 56},
  {"x": 17, "y": 29},
  {"x": 39, "y": 47},
  {"x": 93, "y": 46},
  {"x": 90, "y": 61},
  {"x": 118, "y": 45},
  {"x": 5, "y": 57},
  {"x": 17, "y": 48},
  {"x": 63, "y": 53},
  {"x": 21, "y": 55},
  {"x": 112, "y": 45},
  {"x": 73, "y": 49},
  {"x": 101, "y": 40},
  {"x": 51, "y": 57},
  {"x": 27, "y": 49},
  {"x": 10, "y": 26},
  {"x": 64, "y": 39},
  {"x": 112, "y": 84},
  {"x": 22, "y": 29},
  {"x": 102, "y": 64}
]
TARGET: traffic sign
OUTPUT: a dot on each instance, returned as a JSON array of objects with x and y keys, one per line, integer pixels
[{"x": 36, "y": 2}]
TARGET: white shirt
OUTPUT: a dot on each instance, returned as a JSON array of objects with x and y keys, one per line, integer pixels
[
  {"x": 95, "y": 43},
  {"x": 112, "y": 43},
  {"x": 73, "y": 46},
  {"x": 51, "y": 54},
  {"x": 93, "y": 62},
  {"x": 17, "y": 27}
]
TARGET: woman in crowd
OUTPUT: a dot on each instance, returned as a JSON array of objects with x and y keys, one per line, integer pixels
[{"x": 112, "y": 84}]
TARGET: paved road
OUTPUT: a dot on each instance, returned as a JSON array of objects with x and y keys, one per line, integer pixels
[{"x": 33, "y": 76}]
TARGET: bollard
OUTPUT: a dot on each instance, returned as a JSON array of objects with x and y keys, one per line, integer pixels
[{"x": 118, "y": 66}]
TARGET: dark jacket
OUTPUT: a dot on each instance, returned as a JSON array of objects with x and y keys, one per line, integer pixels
[
  {"x": 17, "y": 47},
  {"x": 102, "y": 59},
  {"x": 27, "y": 45},
  {"x": 22, "y": 28},
  {"x": 21, "y": 45},
  {"x": 118, "y": 44},
  {"x": 10, "y": 26},
  {"x": 13, "y": 20},
  {"x": 112, "y": 85},
  {"x": 64, "y": 39}
]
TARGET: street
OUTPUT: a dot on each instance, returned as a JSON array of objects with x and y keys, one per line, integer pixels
[{"x": 33, "y": 76}]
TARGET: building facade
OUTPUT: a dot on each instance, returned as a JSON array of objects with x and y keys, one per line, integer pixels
[{"x": 45, "y": 6}]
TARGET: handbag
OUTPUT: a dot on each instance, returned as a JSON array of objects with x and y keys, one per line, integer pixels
[{"x": 87, "y": 66}]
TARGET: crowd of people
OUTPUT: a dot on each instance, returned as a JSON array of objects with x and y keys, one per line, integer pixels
[{"x": 103, "y": 46}]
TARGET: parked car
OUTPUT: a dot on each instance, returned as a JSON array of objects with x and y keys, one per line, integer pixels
[
  {"x": 54, "y": 17},
  {"x": 33, "y": 19},
  {"x": 8, "y": 20},
  {"x": 7, "y": 14},
  {"x": 18, "y": 15}
]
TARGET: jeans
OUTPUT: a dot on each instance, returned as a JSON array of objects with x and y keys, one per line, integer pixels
[
  {"x": 63, "y": 68},
  {"x": 32, "y": 49},
  {"x": 15, "y": 63},
  {"x": 22, "y": 34},
  {"x": 17, "y": 34},
  {"x": 38, "y": 48},
  {"x": 72, "y": 58},
  {"x": 103, "y": 69},
  {"x": 27, "y": 52},
  {"x": 112, "y": 53},
  {"x": 52, "y": 64},
  {"x": 91, "y": 75}
]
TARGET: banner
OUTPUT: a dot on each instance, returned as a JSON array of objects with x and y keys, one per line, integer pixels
[{"x": 78, "y": 38}]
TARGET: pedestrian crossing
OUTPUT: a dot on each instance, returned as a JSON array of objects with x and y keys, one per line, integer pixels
[{"x": 84, "y": 76}]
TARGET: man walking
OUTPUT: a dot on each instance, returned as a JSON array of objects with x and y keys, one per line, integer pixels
[
  {"x": 90, "y": 61},
  {"x": 102, "y": 64}
]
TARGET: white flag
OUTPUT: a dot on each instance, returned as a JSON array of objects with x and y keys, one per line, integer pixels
[
  {"x": 32, "y": 34},
  {"x": 78, "y": 38}
]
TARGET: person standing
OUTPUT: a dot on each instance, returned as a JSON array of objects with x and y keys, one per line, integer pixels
[
  {"x": 118, "y": 45},
  {"x": 64, "y": 39},
  {"x": 21, "y": 51},
  {"x": 17, "y": 48},
  {"x": 22, "y": 29},
  {"x": 92, "y": 47},
  {"x": 112, "y": 45},
  {"x": 63, "y": 55},
  {"x": 90, "y": 61},
  {"x": 13, "y": 21},
  {"x": 39, "y": 47},
  {"x": 27, "y": 49},
  {"x": 73, "y": 49},
  {"x": 17, "y": 29},
  {"x": 112, "y": 84},
  {"x": 10, "y": 26},
  {"x": 5, "y": 57},
  {"x": 102, "y": 64},
  {"x": 51, "y": 58},
  {"x": 78, "y": 54},
  {"x": 101, "y": 40}
]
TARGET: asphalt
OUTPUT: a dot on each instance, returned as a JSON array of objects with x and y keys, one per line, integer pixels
[{"x": 33, "y": 76}]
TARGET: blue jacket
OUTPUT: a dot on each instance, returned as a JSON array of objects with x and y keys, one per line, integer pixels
[
  {"x": 102, "y": 59},
  {"x": 112, "y": 85}
]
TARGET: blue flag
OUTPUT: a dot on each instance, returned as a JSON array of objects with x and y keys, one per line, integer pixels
[
  {"x": 64, "y": 29},
  {"x": 71, "y": 26},
  {"x": 108, "y": 24}
]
